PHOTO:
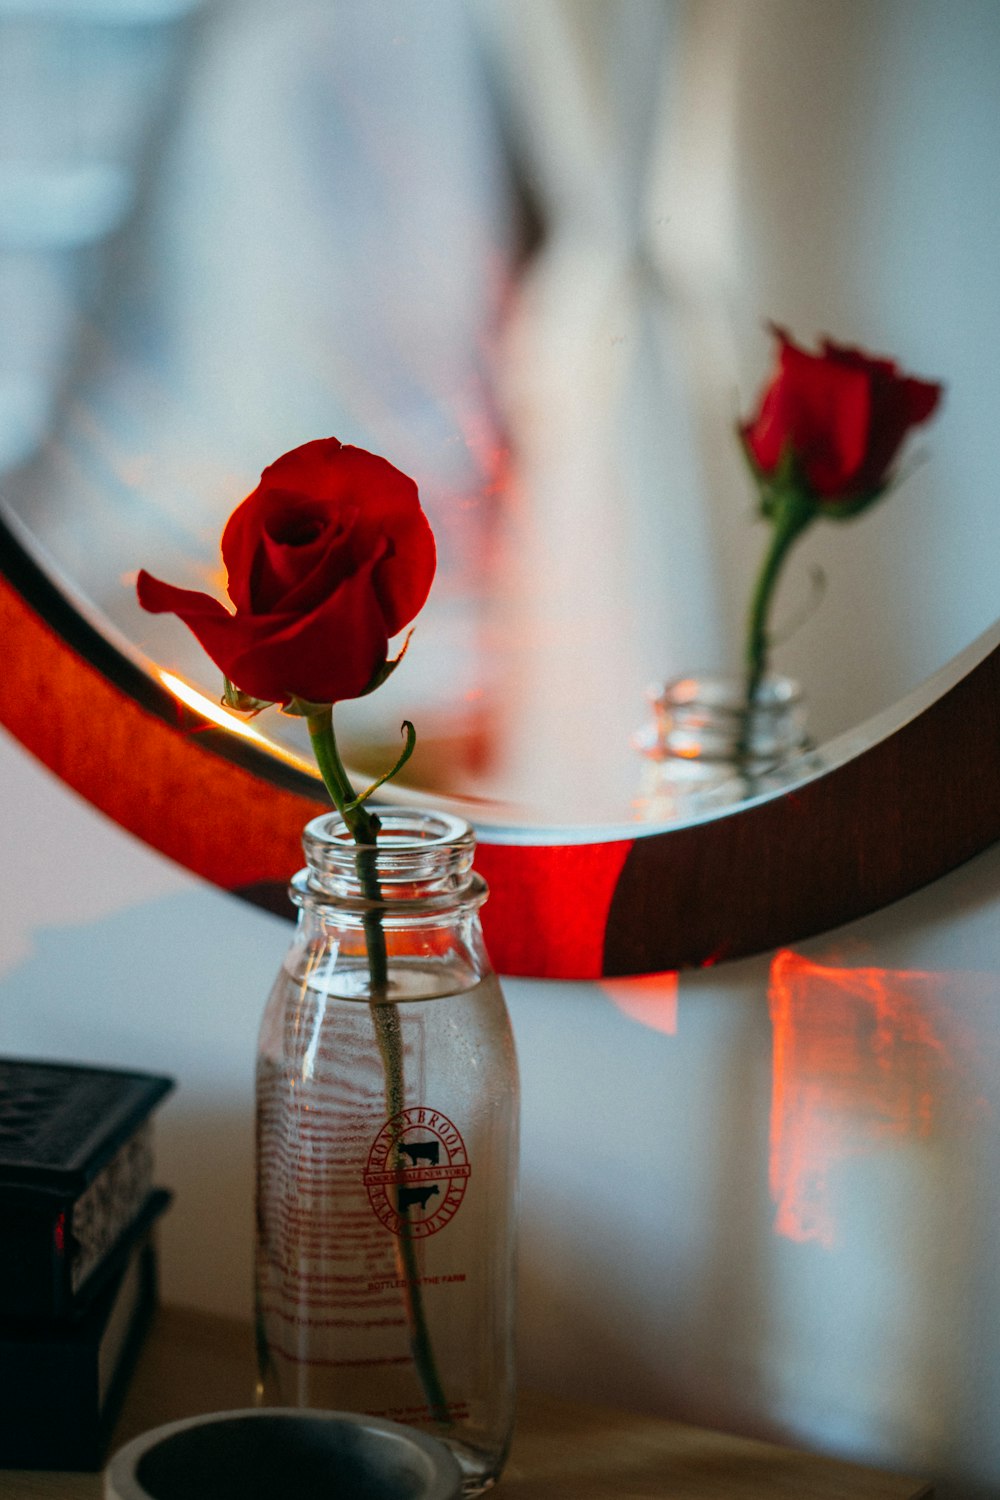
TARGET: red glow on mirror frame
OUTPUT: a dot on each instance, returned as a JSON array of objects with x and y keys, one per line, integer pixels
[{"x": 858, "y": 1064}]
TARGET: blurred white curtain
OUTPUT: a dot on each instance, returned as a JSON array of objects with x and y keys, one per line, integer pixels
[
  {"x": 610, "y": 574},
  {"x": 82, "y": 83}
]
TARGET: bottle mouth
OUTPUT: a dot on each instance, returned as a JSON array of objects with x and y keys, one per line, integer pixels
[
  {"x": 419, "y": 856},
  {"x": 402, "y": 830}
]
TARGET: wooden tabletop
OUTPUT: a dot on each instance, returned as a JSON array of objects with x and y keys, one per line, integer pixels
[{"x": 562, "y": 1451}]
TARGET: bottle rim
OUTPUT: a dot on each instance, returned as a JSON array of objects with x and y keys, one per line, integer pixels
[
  {"x": 402, "y": 829},
  {"x": 421, "y": 862}
]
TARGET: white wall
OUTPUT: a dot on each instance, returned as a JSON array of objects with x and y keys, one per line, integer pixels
[
  {"x": 850, "y": 1305},
  {"x": 762, "y": 1196}
]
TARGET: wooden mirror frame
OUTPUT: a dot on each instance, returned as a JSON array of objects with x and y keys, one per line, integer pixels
[{"x": 893, "y": 805}]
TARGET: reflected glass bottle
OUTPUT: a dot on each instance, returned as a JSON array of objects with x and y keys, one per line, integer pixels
[
  {"x": 707, "y": 748},
  {"x": 387, "y": 1130}
]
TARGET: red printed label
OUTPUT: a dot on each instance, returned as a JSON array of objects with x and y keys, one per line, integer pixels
[{"x": 417, "y": 1172}]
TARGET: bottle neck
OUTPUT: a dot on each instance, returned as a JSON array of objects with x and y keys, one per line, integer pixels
[
  {"x": 395, "y": 920},
  {"x": 421, "y": 863}
]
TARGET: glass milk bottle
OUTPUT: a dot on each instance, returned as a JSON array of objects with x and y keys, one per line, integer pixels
[{"x": 387, "y": 1129}]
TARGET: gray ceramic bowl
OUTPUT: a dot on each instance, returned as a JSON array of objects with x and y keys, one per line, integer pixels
[{"x": 275, "y": 1453}]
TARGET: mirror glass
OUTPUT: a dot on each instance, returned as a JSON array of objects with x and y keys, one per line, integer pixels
[{"x": 527, "y": 250}]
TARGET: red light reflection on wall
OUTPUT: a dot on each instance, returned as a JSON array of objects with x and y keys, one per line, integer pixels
[
  {"x": 859, "y": 1063},
  {"x": 650, "y": 999}
]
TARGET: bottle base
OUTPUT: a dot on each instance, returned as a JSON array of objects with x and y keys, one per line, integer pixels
[{"x": 480, "y": 1473}]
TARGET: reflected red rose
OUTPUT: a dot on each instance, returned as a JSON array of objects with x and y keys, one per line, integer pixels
[
  {"x": 327, "y": 559},
  {"x": 841, "y": 415}
]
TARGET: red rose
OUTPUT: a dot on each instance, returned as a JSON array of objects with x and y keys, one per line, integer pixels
[
  {"x": 839, "y": 416},
  {"x": 329, "y": 557}
]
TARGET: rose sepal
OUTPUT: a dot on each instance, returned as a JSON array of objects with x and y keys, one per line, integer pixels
[
  {"x": 241, "y": 702},
  {"x": 774, "y": 488},
  {"x": 301, "y": 708},
  {"x": 845, "y": 510},
  {"x": 387, "y": 668}
]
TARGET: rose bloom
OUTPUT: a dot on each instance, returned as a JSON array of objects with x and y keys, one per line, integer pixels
[
  {"x": 327, "y": 559},
  {"x": 841, "y": 415}
]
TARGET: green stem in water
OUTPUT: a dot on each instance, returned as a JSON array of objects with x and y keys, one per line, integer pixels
[
  {"x": 363, "y": 826},
  {"x": 791, "y": 512}
]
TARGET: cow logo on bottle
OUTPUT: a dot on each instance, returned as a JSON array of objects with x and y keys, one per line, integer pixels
[{"x": 417, "y": 1172}]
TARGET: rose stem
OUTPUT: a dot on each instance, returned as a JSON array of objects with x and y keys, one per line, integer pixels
[
  {"x": 364, "y": 826},
  {"x": 791, "y": 512}
]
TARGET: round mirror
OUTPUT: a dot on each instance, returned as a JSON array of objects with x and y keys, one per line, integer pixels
[{"x": 526, "y": 249}]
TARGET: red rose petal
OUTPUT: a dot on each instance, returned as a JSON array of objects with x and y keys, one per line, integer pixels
[
  {"x": 389, "y": 506},
  {"x": 826, "y": 409},
  {"x": 842, "y": 414},
  {"x": 335, "y": 477},
  {"x": 323, "y": 657},
  {"x": 329, "y": 557},
  {"x": 220, "y": 633},
  {"x": 291, "y": 575}
]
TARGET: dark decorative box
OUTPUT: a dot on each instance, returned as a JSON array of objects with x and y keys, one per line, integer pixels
[
  {"x": 62, "y": 1383},
  {"x": 76, "y": 1180}
]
